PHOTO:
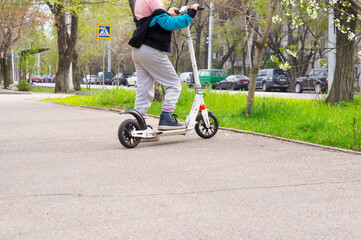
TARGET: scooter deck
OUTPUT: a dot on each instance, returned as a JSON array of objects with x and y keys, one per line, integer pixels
[
  {"x": 156, "y": 133},
  {"x": 171, "y": 132}
]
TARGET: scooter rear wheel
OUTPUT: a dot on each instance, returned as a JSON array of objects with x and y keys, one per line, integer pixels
[
  {"x": 202, "y": 129},
  {"x": 125, "y": 133}
]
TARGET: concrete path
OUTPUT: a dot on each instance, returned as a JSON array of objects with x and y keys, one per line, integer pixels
[{"x": 64, "y": 175}]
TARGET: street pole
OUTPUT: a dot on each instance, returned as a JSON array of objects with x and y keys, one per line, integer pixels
[
  {"x": 12, "y": 64},
  {"x": 70, "y": 77},
  {"x": 38, "y": 64},
  {"x": 358, "y": 70},
  {"x": 210, "y": 37},
  {"x": 71, "y": 85},
  {"x": 103, "y": 62},
  {"x": 332, "y": 48},
  {"x": 110, "y": 56}
]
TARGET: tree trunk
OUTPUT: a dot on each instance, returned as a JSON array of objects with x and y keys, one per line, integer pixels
[
  {"x": 343, "y": 80},
  {"x": 233, "y": 61},
  {"x": 204, "y": 64},
  {"x": 131, "y": 5},
  {"x": 244, "y": 56},
  {"x": 10, "y": 70},
  {"x": 158, "y": 97},
  {"x": 1, "y": 72},
  {"x": 66, "y": 43},
  {"x": 227, "y": 55},
  {"x": 257, "y": 61},
  {"x": 253, "y": 77},
  {"x": 5, "y": 72},
  {"x": 76, "y": 73},
  {"x": 61, "y": 84}
]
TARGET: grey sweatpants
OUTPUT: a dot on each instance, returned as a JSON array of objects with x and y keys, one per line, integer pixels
[{"x": 154, "y": 65}]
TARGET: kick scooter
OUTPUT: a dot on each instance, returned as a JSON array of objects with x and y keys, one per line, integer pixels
[{"x": 200, "y": 119}]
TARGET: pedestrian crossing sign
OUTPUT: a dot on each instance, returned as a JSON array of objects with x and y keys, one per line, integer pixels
[{"x": 104, "y": 31}]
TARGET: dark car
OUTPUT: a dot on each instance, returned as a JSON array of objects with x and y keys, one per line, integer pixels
[
  {"x": 107, "y": 78},
  {"x": 234, "y": 82},
  {"x": 122, "y": 78},
  {"x": 268, "y": 79},
  {"x": 315, "y": 80}
]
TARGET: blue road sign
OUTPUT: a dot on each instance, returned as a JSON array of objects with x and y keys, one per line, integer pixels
[{"x": 104, "y": 31}]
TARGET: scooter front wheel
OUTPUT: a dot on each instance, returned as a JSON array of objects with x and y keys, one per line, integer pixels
[
  {"x": 202, "y": 129},
  {"x": 125, "y": 133}
]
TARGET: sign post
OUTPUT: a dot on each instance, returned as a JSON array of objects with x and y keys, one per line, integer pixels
[{"x": 104, "y": 32}]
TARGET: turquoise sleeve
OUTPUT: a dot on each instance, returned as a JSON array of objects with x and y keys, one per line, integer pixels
[{"x": 171, "y": 23}]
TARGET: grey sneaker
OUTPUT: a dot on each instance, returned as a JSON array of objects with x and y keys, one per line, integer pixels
[{"x": 168, "y": 121}]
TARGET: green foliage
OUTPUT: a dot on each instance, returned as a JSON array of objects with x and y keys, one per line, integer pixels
[
  {"x": 106, "y": 98},
  {"x": 40, "y": 89},
  {"x": 305, "y": 120},
  {"x": 24, "y": 86},
  {"x": 111, "y": 12}
]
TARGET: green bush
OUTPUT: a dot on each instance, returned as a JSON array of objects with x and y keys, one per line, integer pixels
[{"x": 24, "y": 86}]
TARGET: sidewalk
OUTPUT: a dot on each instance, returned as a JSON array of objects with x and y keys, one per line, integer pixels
[
  {"x": 6, "y": 91},
  {"x": 66, "y": 176}
]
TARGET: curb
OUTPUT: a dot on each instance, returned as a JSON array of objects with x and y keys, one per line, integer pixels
[
  {"x": 6, "y": 91},
  {"x": 327, "y": 148}
]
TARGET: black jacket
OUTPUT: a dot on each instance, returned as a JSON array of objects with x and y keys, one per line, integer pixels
[{"x": 155, "y": 37}]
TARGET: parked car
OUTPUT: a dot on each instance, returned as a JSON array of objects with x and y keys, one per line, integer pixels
[
  {"x": 132, "y": 80},
  {"x": 234, "y": 82},
  {"x": 37, "y": 79},
  {"x": 108, "y": 76},
  {"x": 122, "y": 78},
  {"x": 315, "y": 80},
  {"x": 91, "y": 79},
  {"x": 268, "y": 79},
  {"x": 45, "y": 78},
  {"x": 53, "y": 78},
  {"x": 187, "y": 77},
  {"x": 211, "y": 77}
]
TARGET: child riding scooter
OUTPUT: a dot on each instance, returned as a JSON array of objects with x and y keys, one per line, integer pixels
[{"x": 150, "y": 33}]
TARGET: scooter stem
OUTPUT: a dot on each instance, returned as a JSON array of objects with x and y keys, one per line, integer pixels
[{"x": 197, "y": 83}]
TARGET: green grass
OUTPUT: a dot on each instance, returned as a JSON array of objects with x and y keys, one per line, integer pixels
[
  {"x": 305, "y": 120},
  {"x": 113, "y": 98},
  {"x": 40, "y": 89},
  {"x": 51, "y": 90}
]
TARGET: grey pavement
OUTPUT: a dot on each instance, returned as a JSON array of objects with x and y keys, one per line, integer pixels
[{"x": 64, "y": 175}]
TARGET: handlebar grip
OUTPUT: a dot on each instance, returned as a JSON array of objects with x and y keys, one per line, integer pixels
[{"x": 178, "y": 11}]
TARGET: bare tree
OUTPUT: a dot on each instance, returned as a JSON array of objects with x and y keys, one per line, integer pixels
[{"x": 257, "y": 61}]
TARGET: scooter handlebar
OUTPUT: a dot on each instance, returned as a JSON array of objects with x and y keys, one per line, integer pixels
[{"x": 184, "y": 9}]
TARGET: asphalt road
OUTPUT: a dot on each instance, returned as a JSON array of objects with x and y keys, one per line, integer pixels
[{"x": 64, "y": 175}]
